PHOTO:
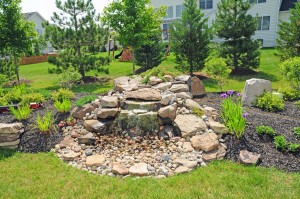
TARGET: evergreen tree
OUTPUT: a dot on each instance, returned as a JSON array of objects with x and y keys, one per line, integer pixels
[
  {"x": 289, "y": 35},
  {"x": 190, "y": 38},
  {"x": 73, "y": 31},
  {"x": 150, "y": 55},
  {"x": 236, "y": 27}
]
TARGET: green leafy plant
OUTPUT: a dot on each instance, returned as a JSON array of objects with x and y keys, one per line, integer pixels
[
  {"x": 289, "y": 93},
  {"x": 297, "y": 104},
  {"x": 297, "y": 131},
  {"x": 68, "y": 78},
  {"x": 61, "y": 94},
  {"x": 233, "y": 115},
  {"x": 16, "y": 93},
  {"x": 3, "y": 101},
  {"x": 291, "y": 70},
  {"x": 280, "y": 142},
  {"x": 198, "y": 112},
  {"x": 63, "y": 106},
  {"x": 21, "y": 113},
  {"x": 46, "y": 122},
  {"x": 84, "y": 100},
  {"x": 292, "y": 147},
  {"x": 265, "y": 130},
  {"x": 270, "y": 102},
  {"x": 32, "y": 97}
]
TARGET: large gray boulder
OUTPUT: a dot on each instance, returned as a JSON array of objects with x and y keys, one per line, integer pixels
[
  {"x": 177, "y": 88},
  {"x": 189, "y": 125},
  {"x": 253, "y": 89}
]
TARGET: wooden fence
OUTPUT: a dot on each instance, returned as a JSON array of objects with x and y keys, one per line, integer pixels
[{"x": 35, "y": 59}]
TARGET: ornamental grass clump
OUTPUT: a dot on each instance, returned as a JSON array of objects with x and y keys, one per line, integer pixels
[
  {"x": 22, "y": 113},
  {"x": 265, "y": 130},
  {"x": 63, "y": 106},
  {"x": 233, "y": 114},
  {"x": 45, "y": 123}
]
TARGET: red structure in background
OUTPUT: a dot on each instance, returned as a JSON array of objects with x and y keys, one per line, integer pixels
[{"x": 126, "y": 55}]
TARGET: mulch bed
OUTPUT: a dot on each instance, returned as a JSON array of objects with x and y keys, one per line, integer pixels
[{"x": 282, "y": 122}]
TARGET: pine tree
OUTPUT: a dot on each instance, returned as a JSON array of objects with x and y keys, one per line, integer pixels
[
  {"x": 236, "y": 27},
  {"x": 190, "y": 38},
  {"x": 289, "y": 35},
  {"x": 150, "y": 55}
]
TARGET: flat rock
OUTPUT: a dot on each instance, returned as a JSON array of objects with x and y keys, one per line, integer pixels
[
  {"x": 183, "y": 78},
  {"x": 206, "y": 142},
  {"x": 181, "y": 169},
  {"x": 184, "y": 95},
  {"x": 120, "y": 169},
  {"x": 109, "y": 102},
  {"x": 105, "y": 113},
  {"x": 95, "y": 160},
  {"x": 87, "y": 139},
  {"x": 168, "y": 111},
  {"x": 247, "y": 157},
  {"x": 80, "y": 112},
  {"x": 189, "y": 125},
  {"x": 186, "y": 163},
  {"x": 177, "y": 88},
  {"x": 122, "y": 84},
  {"x": 167, "y": 99},
  {"x": 9, "y": 137},
  {"x": 169, "y": 78},
  {"x": 154, "y": 80},
  {"x": 148, "y": 94},
  {"x": 191, "y": 104},
  {"x": 210, "y": 156},
  {"x": 187, "y": 146},
  {"x": 15, "y": 128},
  {"x": 140, "y": 105},
  {"x": 71, "y": 155},
  {"x": 218, "y": 127},
  {"x": 163, "y": 86},
  {"x": 10, "y": 145},
  {"x": 66, "y": 142},
  {"x": 96, "y": 126},
  {"x": 139, "y": 169}
]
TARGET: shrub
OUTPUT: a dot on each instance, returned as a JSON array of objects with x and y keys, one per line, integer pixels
[
  {"x": 270, "y": 102},
  {"x": 218, "y": 69},
  {"x": 61, "y": 94},
  {"x": 3, "y": 79},
  {"x": 292, "y": 147},
  {"x": 32, "y": 97},
  {"x": 45, "y": 123},
  {"x": 198, "y": 112},
  {"x": 52, "y": 60},
  {"x": 265, "y": 130},
  {"x": 68, "y": 78},
  {"x": 3, "y": 101},
  {"x": 22, "y": 113},
  {"x": 291, "y": 70},
  {"x": 85, "y": 100},
  {"x": 280, "y": 142},
  {"x": 233, "y": 115},
  {"x": 15, "y": 94},
  {"x": 289, "y": 94},
  {"x": 297, "y": 131},
  {"x": 63, "y": 106}
]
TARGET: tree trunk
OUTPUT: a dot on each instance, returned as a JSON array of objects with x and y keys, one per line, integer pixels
[
  {"x": 235, "y": 61},
  {"x": 17, "y": 69},
  {"x": 81, "y": 67},
  {"x": 191, "y": 68},
  {"x": 133, "y": 62}
]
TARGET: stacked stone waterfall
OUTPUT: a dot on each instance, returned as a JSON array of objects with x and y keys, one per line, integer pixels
[{"x": 144, "y": 129}]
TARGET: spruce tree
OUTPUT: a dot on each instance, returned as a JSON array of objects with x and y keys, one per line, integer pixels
[
  {"x": 190, "y": 38},
  {"x": 289, "y": 35},
  {"x": 150, "y": 55},
  {"x": 236, "y": 27}
]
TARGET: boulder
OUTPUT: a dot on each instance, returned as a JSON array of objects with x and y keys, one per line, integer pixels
[
  {"x": 189, "y": 125},
  {"x": 253, "y": 89},
  {"x": 247, "y": 157},
  {"x": 139, "y": 169},
  {"x": 196, "y": 87},
  {"x": 66, "y": 142},
  {"x": 96, "y": 126},
  {"x": 184, "y": 95},
  {"x": 105, "y": 113},
  {"x": 187, "y": 146},
  {"x": 71, "y": 155},
  {"x": 9, "y": 137},
  {"x": 163, "y": 86},
  {"x": 206, "y": 142},
  {"x": 218, "y": 127},
  {"x": 10, "y": 145},
  {"x": 80, "y": 112},
  {"x": 191, "y": 104},
  {"x": 154, "y": 80},
  {"x": 210, "y": 156},
  {"x": 148, "y": 94},
  {"x": 109, "y": 102},
  {"x": 120, "y": 169},
  {"x": 122, "y": 84},
  {"x": 177, "y": 88},
  {"x": 167, "y": 99},
  {"x": 95, "y": 160},
  {"x": 138, "y": 105},
  {"x": 168, "y": 111},
  {"x": 11, "y": 129},
  {"x": 183, "y": 78}
]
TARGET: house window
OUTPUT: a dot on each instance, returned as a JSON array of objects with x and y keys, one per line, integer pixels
[
  {"x": 169, "y": 12},
  {"x": 166, "y": 28},
  {"x": 263, "y": 23},
  {"x": 257, "y": 1},
  {"x": 206, "y": 4},
  {"x": 179, "y": 10}
]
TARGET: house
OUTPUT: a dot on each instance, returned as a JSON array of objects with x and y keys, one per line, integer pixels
[
  {"x": 39, "y": 20},
  {"x": 270, "y": 13}
]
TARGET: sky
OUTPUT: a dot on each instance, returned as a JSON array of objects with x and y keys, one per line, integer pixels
[{"x": 47, "y": 7}]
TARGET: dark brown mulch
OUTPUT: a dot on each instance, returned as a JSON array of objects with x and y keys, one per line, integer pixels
[{"x": 282, "y": 122}]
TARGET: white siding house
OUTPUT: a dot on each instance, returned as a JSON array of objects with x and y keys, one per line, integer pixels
[
  {"x": 270, "y": 12},
  {"x": 39, "y": 20}
]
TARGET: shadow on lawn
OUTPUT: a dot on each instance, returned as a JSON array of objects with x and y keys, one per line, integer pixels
[
  {"x": 6, "y": 153},
  {"x": 260, "y": 75}
]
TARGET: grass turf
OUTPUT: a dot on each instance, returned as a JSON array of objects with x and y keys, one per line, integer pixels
[{"x": 45, "y": 176}]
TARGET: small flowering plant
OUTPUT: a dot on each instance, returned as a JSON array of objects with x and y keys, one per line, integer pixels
[{"x": 233, "y": 114}]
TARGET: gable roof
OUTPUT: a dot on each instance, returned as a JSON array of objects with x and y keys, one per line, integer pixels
[
  {"x": 287, "y": 4},
  {"x": 28, "y": 15}
]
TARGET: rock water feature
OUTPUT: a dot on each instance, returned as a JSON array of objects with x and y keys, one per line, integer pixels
[{"x": 144, "y": 130}]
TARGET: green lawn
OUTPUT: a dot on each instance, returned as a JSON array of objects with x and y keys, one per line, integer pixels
[
  {"x": 38, "y": 73},
  {"x": 45, "y": 176}
]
